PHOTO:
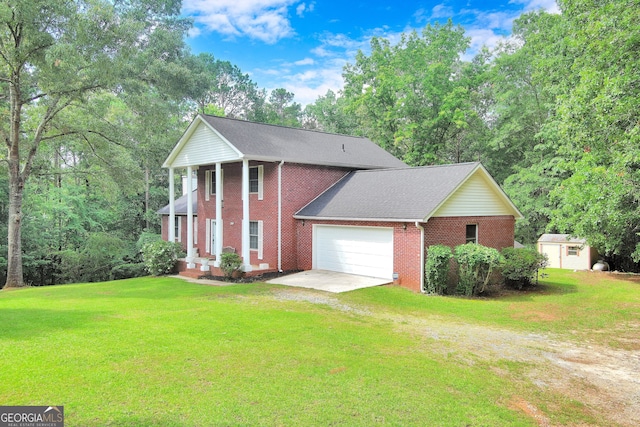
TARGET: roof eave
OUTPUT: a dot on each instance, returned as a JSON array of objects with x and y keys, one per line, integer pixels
[{"x": 332, "y": 218}]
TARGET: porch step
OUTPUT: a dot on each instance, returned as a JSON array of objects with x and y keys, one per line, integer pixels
[{"x": 196, "y": 273}]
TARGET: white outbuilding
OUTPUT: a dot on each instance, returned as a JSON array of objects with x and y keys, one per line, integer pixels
[{"x": 564, "y": 251}]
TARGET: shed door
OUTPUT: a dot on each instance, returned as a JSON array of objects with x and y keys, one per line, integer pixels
[{"x": 366, "y": 251}]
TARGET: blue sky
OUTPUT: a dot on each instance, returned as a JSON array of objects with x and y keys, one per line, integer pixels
[{"x": 302, "y": 45}]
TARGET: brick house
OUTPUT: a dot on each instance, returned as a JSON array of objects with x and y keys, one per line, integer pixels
[{"x": 292, "y": 199}]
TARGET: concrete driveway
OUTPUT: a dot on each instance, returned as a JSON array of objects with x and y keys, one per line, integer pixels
[{"x": 329, "y": 281}]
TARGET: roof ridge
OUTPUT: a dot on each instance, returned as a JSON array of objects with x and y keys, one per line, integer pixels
[
  {"x": 282, "y": 126},
  {"x": 419, "y": 167}
]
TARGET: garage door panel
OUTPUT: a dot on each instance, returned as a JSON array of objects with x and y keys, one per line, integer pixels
[{"x": 356, "y": 250}]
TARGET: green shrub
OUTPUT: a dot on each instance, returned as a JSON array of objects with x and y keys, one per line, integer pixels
[
  {"x": 129, "y": 271},
  {"x": 145, "y": 238},
  {"x": 475, "y": 265},
  {"x": 520, "y": 266},
  {"x": 230, "y": 262},
  {"x": 160, "y": 256},
  {"x": 436, "y": 269}
]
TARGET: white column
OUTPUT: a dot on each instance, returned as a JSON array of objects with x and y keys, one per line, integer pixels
[
  {"x": 171, "y": 230},
  {"x": 218, "y": 248},
  {"x": 190, "y": 254},
  {"x": 246, "y": 253}
]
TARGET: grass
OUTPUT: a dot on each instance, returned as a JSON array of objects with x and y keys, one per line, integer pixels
[{"x": 161, "y": 351}]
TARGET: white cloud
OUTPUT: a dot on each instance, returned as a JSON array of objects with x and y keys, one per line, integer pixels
[
  {"x": 547, "y": 5},
  {"x": 303, "y": 7},
  {"x": 441, "y": 11},
  {"x": 265, "y": 20},
  {"x": 305, "y": 61}
]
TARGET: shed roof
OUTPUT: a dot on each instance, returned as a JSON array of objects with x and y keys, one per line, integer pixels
[
  {"x": 259, "y": 141},
  {"x": 560, "y": 238},
  {"x": 409, "y": 194}
]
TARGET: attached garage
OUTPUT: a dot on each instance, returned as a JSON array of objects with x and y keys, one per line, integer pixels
[{"x": 366, "y": 251}]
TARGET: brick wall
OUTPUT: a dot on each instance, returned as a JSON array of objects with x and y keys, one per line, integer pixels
[
  {"x": 183, "y": 229},
  {"x": 300, "y": 185},
  {"x": 493, "y": 231}
]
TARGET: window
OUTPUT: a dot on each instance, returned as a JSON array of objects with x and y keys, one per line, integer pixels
[
  {"x": 210, "y": 183},
  {"x": 256, "y": 175},
  {"x": 472, "y": 233},
  {"x": 177, "y": 228},
  {"x": 253, "y": 235},
  {"x": 253, "y": 179},
  {"x": 573, "y": 250}
]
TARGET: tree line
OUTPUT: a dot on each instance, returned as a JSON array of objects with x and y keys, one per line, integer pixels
[{"x": 95, "y": 93}]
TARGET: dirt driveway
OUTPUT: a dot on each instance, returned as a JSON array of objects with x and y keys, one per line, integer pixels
[{"x": 605, "y": 380}]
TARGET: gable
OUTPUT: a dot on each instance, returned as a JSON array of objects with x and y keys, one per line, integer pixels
[
  {"x": 201, "y": 145},
  {"x": 211, "y": 139},
  {"x": 477, "y": 196}
]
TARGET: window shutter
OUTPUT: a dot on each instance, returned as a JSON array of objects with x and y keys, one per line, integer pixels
[
  {"x": 221, "y": 184},
  {"x": 209, "y": 249},
  {"x": 207, "y": 185},
  {"x": 260, "y": 239},
  {"x": 195, "y": 230},
  {"x": 260, "y": 182}
]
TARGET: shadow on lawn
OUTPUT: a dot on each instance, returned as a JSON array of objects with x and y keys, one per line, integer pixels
[
  {"x": 526, "y": 294},
  {"x": 25, "y": 323}
]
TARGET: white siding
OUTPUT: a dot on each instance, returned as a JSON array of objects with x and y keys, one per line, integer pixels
[
  {"x": 559, "y": 256},
  {"x": 365, "y": 251},
  {"x": 476, "y": 197},
  {"x": 204, "y": 147}
]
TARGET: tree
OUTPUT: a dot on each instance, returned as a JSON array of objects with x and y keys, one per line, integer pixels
[
  {"x": 281, "y": 110},
  {"x": 224, "y": 86},
  {"x": 599, "y": 122},
  {"x": 411, "y": 98},
  {"x": 328, "y": 113},
  {"x": 54, "y": 55}
]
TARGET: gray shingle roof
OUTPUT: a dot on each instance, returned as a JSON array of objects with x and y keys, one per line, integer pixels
[
  {"x": 260, "y": 141},
  {"x": 560, "y": 238},
  {"x": 394, "y": 194},
  {"x": 181, "y": 205}
]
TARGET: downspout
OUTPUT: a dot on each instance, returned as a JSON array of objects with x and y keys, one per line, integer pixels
[
  {"x": 280, "y": 216},
  {"x": 421, "y": 255}
]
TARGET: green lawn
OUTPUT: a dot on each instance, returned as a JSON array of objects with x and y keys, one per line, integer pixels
[{"x": 164, "y": 352}]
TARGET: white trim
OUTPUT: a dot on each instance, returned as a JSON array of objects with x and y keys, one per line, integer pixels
[
  {"x": 207, "y": 225},
  {"x": 341, "y": 219},
  {"x": 207, "y": 185},
  {"x": 171, "y": 234},
  {"x": 184, "y": 139},
  {"x": 190, "y": 252},
  {"x": 422, "y": 260},
  {"x": 178, "y": 237},
  {"x": 219, "y": 222},
  {"x": 217, "y": 189},
  {"x": 493, "y": 184},
  {"x": 213, "y": 237},
  {"x": 260, "y": 237},
  {"x": 280, "y": 215},
  {"x": 246, "y": 252},
  {"x": 475, "y": 224},
  {"x": 260, "y": 182}
]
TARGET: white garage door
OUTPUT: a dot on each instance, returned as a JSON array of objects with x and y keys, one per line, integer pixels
[{"x": 366, "y": 251}]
